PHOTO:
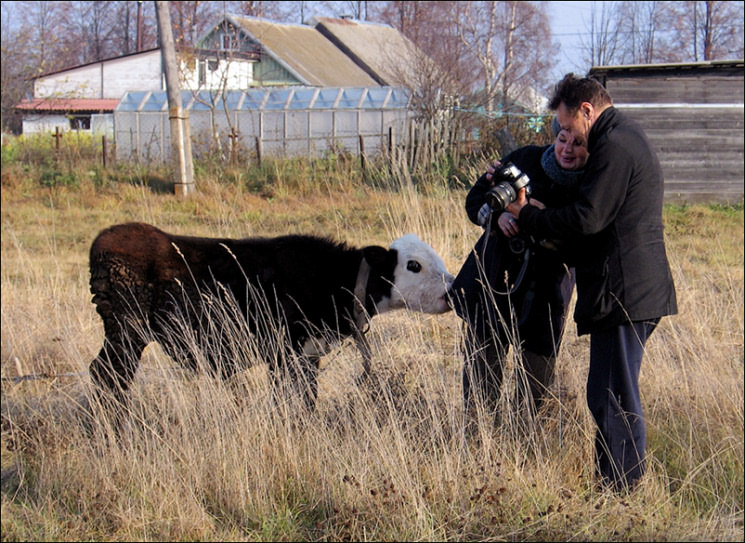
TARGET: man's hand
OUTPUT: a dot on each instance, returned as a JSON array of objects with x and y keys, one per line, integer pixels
[
  {"x": 520, "y": 202},
  {"x": 508, "y": 225}
]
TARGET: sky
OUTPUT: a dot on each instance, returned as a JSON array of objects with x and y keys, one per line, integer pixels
[{"x": 569, "y": 23}]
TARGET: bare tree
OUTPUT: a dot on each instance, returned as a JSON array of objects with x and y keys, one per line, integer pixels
[
  {"x": 357, "y": 9},
  {"x": 602, "y": 46},
  {"x": 649, "y": 32},
  {"x": 504, "y": 37},
  {"x": 15, "y": 42},
  {"x": 191, "y": 18},
  {"x": 644, "y": 32},
  {"x": 45, "y": 21},
  {"x": 126, "y": 34},
  {"x": 449, "y": 68},
  {"x": 89, "y": 34},
  {"x": 708, "y": 30}
]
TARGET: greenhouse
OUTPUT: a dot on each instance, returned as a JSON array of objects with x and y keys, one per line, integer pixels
[{"x": 275, "y": 121}]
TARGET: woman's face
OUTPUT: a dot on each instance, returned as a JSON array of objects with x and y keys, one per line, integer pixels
[{"x": 569, "y": 154}]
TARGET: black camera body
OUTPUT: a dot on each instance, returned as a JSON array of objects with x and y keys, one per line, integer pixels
[{"x": 508, "y": 182}]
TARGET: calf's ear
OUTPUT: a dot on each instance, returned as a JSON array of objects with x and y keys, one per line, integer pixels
[{"x": 376, "y": 255}]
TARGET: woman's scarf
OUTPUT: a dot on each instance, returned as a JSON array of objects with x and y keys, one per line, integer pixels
[{"x": 559, "y": 175}]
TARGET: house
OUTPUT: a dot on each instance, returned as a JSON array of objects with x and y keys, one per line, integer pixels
[
  {"x": 237, "y": 53},
  {"x": 692, "y": 114},
  {"x": 289, "y": 54},
  {"x": 84, "y": 97},
  {"x": 75, "y": 98}
]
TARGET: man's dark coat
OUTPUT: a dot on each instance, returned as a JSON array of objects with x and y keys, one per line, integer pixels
[{"x": 614, "y": 229}]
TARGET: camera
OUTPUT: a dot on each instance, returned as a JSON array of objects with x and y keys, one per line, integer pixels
[{"x": 508, "y": 182}]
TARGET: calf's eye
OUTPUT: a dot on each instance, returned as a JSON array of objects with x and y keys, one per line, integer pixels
[{"x": 413, "y": 266}]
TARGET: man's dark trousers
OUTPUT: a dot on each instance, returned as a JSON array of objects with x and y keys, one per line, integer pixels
[{"x": 614, "y": 401}]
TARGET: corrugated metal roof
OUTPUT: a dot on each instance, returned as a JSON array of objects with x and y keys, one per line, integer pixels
[
  {"x": 305, "y": 53},
  {"x": 68, "y": 104},
  {"x": 681, "y": 66},
  {"x": 380, "y": 48}
]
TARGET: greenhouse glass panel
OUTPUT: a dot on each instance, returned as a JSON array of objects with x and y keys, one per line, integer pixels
[
  {"x": 277, "y": 98},
  {"x": 346, "y": 123},
  {"x": 350, "y": 98},
  {"x": 187, "y": 97},
  {"x": 131, "y": 101},
  {"x": 375, "y": 98},
  {"x": 322, "y": 123},
  {"x": 370, "y": 122},
  {"x": 205, "y": 100},
  {"x": 297, "y": 124},
  {"x": 254, "y": 99},
  {"x": 155, "y": 102},
  {"x": 399, "y": 99},
  {"x": 302, "y": 98},
  {"x": 233, "y": 98},
  {"x": 274, "y": 126},
  {"x": 326, "y": 99}
]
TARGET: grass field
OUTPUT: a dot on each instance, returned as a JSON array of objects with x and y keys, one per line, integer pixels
[{"x": 205, "y": 460}]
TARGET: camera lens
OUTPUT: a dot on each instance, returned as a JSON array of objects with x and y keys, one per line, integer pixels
[{"x": 501, "y": 196}]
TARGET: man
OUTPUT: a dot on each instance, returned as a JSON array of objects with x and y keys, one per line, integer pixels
[{"x": 624, "y": 284}]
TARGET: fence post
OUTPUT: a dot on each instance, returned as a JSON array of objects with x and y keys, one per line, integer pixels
[
  {"x": 103, "y": 150},
  {"x": 233, "y": 137},
  {"x": 57, "y": 136},
  {"x": 258, "y": 150},
  {"x": 413, "y": 145},
  {"x": 391, "y": 148},
  {"x": 362, "y": 154}
]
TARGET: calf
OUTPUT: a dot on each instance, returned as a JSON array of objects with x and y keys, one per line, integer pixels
[{"x": 299, "y": 295}]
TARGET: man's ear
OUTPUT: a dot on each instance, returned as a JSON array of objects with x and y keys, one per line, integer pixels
[
  {"x": 587, "y": 109},
  {"x": 375, "y": 255}
]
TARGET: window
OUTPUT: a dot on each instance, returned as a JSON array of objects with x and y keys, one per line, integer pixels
[
  {"x": 229, "y": 42},
  {"x": 80, "y": 122},
  {"x": 202, "y": 65}
]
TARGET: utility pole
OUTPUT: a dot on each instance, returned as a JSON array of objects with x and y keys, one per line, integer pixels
[{"x": 179, "y": 119}]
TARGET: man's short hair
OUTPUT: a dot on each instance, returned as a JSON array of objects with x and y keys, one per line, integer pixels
[{"x": 573, "y": 90}]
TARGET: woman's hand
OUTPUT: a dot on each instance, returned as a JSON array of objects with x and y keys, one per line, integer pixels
[
  {"x": 508, "y": 224},
  {"x": 491, "y": 169}
]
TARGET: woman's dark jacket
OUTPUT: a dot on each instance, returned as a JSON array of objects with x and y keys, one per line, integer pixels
[
  {"x": 538, "y": 303},
  {"x": 614, "y": 229}
]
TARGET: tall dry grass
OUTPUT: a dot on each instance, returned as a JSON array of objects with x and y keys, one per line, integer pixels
[{"x": 385, "y": 460}]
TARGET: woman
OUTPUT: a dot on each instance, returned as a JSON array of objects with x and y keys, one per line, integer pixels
[{"x": 529, "y": 286}]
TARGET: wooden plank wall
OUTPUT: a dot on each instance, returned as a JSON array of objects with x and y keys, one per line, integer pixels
[{"x": 694, "y": 120}]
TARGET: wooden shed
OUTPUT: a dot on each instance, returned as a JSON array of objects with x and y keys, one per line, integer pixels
[{"x": 693, "y": 116}]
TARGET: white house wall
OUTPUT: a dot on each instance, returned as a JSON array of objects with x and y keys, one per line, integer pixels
[
  {"x": 83, "y": 82},
  {"x": 35, "y": 124},
  {"x": 112, "y": 78},
  {"x": 141, "y": 72},
  {"x": 107, "y": 79},
  {"x": 230, "y": 74}
]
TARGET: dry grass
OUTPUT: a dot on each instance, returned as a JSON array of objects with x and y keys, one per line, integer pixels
[{"x": 387, "y": 460}]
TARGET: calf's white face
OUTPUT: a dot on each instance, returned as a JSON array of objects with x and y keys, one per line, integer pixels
[{"x": 420, "y": 280}]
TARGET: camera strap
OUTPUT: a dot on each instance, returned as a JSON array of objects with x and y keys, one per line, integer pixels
[{"x": 523, "y": 267}]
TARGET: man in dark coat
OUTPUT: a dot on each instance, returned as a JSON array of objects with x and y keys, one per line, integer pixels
[
  {"x": 512, "y": 289},
  {"x": 624, "y": 284}
]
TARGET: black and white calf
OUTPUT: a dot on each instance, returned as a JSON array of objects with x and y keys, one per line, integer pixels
[{"x": 308, "y": 291}]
